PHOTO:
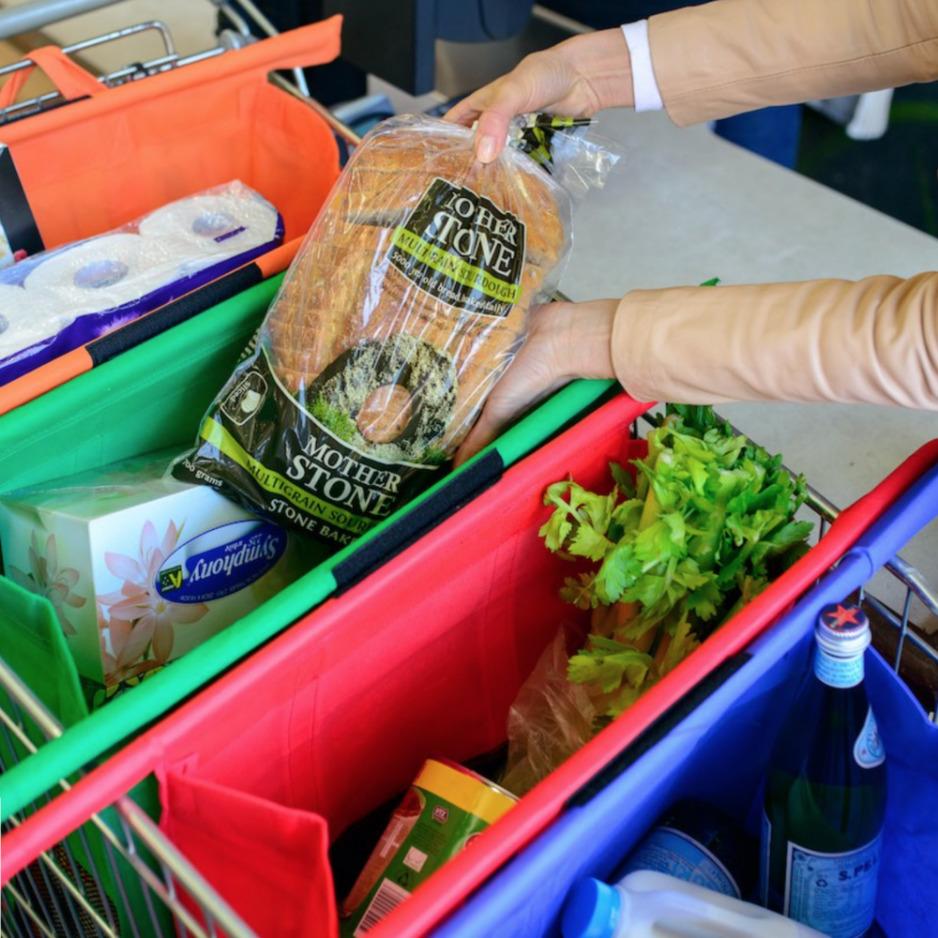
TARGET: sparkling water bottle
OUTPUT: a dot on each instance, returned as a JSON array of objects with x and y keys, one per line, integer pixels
[
  {"x": 697, "y": 842},
  {"x": 825, "y": 793}
]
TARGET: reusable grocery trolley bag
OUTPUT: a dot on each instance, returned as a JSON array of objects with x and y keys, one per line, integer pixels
[
  {"x": 423, "y": 658},
  {"x": 153, "y": 395},
  {"x": 149, "y": 398},
  {"x": 111, "y": 154},
  {"x": 93, "y": 163},
  {"x": 718, "y": 752}
]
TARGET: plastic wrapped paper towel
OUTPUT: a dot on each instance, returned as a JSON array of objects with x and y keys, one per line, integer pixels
[{"x": 56, "y": 301}]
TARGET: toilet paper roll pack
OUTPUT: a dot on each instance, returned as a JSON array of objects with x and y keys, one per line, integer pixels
[
  {"x": 217, "y": 223},
  {"x": 58, "y": 300},
  {"x": 26, "y": 320},
  {"x": 108, "y": 272}
]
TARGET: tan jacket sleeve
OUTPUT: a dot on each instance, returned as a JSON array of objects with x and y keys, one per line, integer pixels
[
  {"x": 730, "y": 56},
  {"x": 873, "y": 341}
]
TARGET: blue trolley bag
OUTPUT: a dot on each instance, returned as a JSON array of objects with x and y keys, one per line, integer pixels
[{"x": 716, "y": 748}]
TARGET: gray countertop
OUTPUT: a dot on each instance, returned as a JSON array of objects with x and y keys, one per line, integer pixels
[{"x": 684, "y": 206}]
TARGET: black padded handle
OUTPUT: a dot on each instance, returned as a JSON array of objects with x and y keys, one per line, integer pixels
[
  {"x": 174, "y": 313},
  {"x": 457, "y": 491},
  {"x": 658, "y": 730},
  {"x": 16, "y": 215}
]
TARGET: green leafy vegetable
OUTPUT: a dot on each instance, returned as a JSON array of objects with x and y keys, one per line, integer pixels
[{"x": 703, "y": 526}]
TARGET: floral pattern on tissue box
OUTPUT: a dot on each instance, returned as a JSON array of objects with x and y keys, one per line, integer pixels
[{"x": 109, "y": 556}]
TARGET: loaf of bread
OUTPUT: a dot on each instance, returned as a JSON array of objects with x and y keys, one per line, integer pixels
[
  {"x": 344, "y": 289},
  {"x": 404, "y": 305}
]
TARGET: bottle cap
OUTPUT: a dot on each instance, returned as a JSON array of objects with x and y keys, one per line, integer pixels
[
  {"x": 591, "y": 910},
  {"x": 843, "y": 630}
]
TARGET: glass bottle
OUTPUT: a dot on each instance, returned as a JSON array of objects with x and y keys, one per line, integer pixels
[{"x": 825, "y": 793}]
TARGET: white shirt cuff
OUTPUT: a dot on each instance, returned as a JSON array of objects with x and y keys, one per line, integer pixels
[{"x": 644, "y": 84}]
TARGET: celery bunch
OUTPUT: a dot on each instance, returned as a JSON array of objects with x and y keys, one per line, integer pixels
[{"x": 706, "y": 524}]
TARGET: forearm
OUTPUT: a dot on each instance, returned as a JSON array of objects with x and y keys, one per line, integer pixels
[
  {"x": 873, "y": 341},
  {"x": 731, "y": 56}
]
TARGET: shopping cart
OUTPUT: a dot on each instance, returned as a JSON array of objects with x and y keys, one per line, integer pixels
[
  {"x": 116, "y": 875},
  {"x": 146, "y": 392},
  {"x": 38, "y": 842}
]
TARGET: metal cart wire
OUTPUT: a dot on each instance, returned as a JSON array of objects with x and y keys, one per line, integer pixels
[
  {"x": 117, "y": 874},
  {"x": 238, "y": 34}
]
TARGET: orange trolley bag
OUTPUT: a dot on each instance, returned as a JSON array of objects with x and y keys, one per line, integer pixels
[{"x": 104, "y": 156}]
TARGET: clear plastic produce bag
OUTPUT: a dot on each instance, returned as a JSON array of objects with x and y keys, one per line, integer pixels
[{"x": 550, "y": 720}]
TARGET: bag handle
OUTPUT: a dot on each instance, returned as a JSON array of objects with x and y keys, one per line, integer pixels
[
  {"x": 69, "y": 78},
  {"x": 456, "y": 490},
  {"x": 313, "y": 44},
  {"x": 448, "y": 497}
]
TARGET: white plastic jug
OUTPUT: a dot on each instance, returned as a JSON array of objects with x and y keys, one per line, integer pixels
[{"x": 654, "y": 905}]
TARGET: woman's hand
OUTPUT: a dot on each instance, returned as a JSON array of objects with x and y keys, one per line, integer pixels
[
  {"x": 566, "y": 341},
  {"x": 576, "y": 78}
]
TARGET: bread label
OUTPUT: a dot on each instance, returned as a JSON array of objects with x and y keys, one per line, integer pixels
[
  {"x": 302, "y": 466},
  {"x": 462, "y": 249}
]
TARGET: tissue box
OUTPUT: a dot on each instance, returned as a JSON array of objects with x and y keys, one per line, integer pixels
[{"x": 141, "y": 568}]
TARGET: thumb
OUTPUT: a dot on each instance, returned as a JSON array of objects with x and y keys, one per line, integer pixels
[
  {"x": 491, "y": 134},
  {"x": 485, "y": 430}
]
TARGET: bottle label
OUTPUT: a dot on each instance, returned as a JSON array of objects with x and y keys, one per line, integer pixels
[
  {"x": 832, "y": 892},
  {"x": 667, "y": 850},
  {"x": 838, "y": 672},
  {"x": 868, "y": 749}
]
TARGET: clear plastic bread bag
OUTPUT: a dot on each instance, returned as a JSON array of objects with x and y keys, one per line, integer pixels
[{"x": 406, "y": 302}]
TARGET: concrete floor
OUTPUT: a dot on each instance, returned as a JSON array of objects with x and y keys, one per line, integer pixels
[{"x": 686, "y": 207}]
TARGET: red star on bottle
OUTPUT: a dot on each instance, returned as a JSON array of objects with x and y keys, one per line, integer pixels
[{"x": 842, "y": 615}]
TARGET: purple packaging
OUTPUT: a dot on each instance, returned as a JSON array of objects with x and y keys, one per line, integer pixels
[{"x": 58, "y": 300}]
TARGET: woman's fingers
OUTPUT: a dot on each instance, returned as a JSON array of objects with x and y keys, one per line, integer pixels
[
  {"x": 493, "y": 109},
  {"x": 535, "y": 373},
  {"x": 491, "y": 135},
  {"x": 465, "y": 111},
  {"x": 566, "y": 341},
  {"x": 576, "y": 78},
  {"x": 498, "y": 103},
  {"x": 484, "y": 431},
  {"x": 514, "y": 396},
  {"x": 536, "y": 83}
]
